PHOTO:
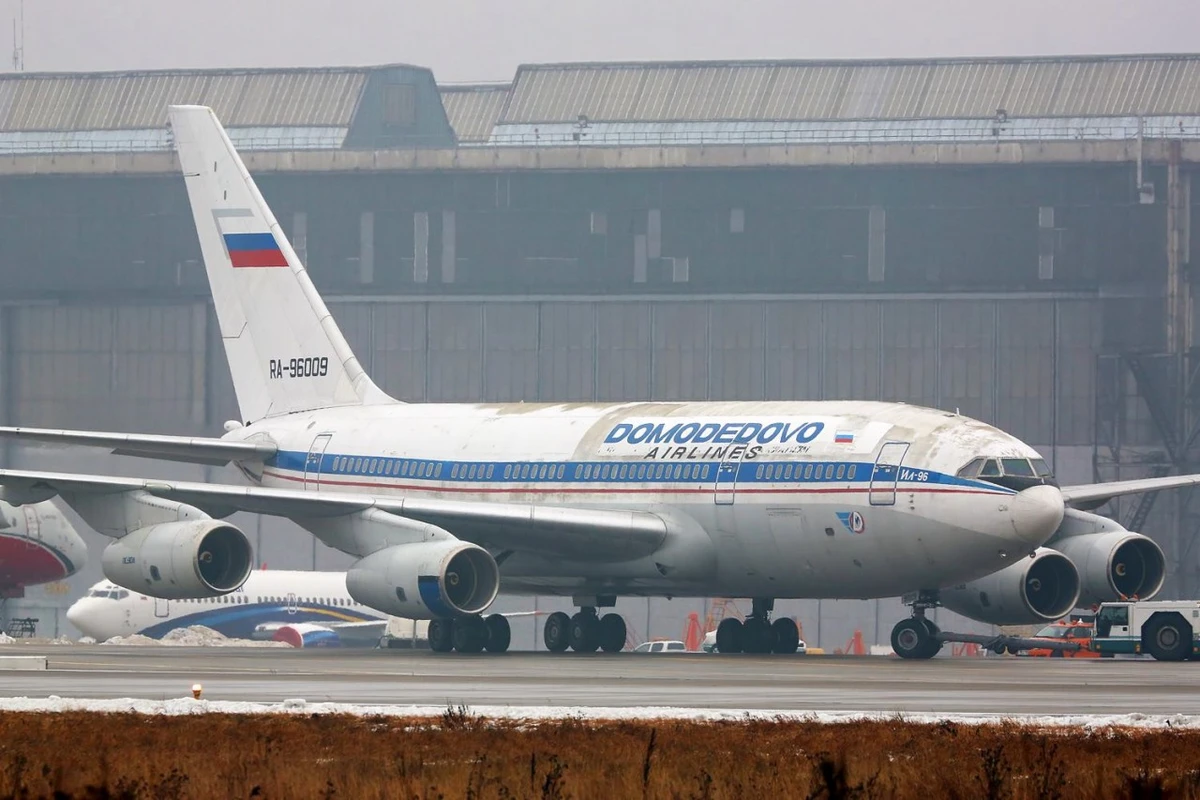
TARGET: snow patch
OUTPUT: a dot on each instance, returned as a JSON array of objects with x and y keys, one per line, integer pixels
[
  {"x": 187, "y": 705},
  {"x": 6, "y": 639},
  {"x": 191, "y": 636}
]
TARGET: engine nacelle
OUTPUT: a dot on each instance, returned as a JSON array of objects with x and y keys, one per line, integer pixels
[
  {"x": 1115, "y": 565},
  {"x": 306, "y": 634},
  {"x": 1042, "y": 588},
  {"x": 180, "y": 560},
  {"x": 426, "y": 580}
]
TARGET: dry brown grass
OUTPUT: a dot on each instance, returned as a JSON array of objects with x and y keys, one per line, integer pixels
[{"x": 302, "y": 756}]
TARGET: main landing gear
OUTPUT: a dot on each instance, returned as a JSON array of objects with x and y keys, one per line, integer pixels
[
  {"x": 917, "y": 636},
  {"x": 470, "y": 634},
  {"x": 585, "y": 632},
  {"x": 758, "y": 634}
]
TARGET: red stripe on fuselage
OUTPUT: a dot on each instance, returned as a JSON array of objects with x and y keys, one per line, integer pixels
[{"x": 707, "y": 489}]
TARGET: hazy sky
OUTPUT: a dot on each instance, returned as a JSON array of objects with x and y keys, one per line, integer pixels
[{"x": 486, "y": 39}]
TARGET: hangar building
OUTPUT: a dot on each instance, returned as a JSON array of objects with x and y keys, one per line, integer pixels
[{"x": 1005, "y": 237}]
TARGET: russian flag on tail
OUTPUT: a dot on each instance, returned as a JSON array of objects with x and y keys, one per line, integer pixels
[{"x": 254, "y": 250}]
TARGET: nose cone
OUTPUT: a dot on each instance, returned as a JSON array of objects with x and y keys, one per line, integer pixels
[
  {"x": 1035, "y": 514},
  {"x": 77, "y": 615}
]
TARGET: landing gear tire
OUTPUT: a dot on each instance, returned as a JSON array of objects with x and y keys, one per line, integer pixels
[
  {"x": 1169, "y": 638},
  {"x": 912, "y": 638},
  {"x": 470, "y": 634},
  {"x": 555, "y": 632},
  {"x": 584, "y": 633},
  {"x": 499, "y": 634},
  {"x": 612, "y": 633},
  {"x": 441, "y": 635},
  {"x": 787, "y": 635},
  {"x": 935, "y": 644},
  {"x": 729, "y": 636},
  {"x": 757, "y": 636}
]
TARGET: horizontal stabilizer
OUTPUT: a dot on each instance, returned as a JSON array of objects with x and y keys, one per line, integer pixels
[{"x": 187, "y": 449}]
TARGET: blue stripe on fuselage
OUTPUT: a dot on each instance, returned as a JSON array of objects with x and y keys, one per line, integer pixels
[
  {"x": 238, "y": 622},
  {"x": 615, "y": 471}
]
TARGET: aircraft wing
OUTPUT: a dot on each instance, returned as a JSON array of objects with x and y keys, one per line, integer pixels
[
  {"x": 192, "y": 450},
  {"x": 558, "y": 531},
  {"x": 1093, "y": 495}
]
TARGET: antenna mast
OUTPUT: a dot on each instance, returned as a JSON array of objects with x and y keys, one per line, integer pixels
[{"x": 18, "y": 54}]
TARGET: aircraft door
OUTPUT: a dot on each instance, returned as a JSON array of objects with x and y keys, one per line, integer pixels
[
  {"x": 886, "y": 473},
  {"x": 725, "y": 485},
  {"x": 291, "y": 603},
  {"x": 312, "y": 464},
  {"x": 162, "y": 608}
]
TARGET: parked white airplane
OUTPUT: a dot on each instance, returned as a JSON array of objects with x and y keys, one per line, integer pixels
[
  {"x": 301, "y": 608},
  {"x": 447, "y": 504},
  {"x": 38, "y": 544}
]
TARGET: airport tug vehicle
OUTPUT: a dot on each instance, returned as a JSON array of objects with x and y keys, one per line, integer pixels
[{"x": 1168, "y": 630}]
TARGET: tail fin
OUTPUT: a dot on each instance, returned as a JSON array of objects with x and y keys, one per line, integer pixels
[{"x": 285, "y": 351}]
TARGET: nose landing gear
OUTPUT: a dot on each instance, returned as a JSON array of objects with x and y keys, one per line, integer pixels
[
  {"x": 758, "y": 634},
  {"x": 917, "y": 636}
]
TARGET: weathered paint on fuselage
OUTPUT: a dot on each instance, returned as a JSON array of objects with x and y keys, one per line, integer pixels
[{"x": 789, "y": 493}]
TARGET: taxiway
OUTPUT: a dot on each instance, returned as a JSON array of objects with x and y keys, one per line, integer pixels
[{"x": 786, "y": 683}]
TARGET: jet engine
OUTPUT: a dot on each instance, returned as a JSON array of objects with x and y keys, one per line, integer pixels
[
  {"x": 1040, "y": 588},
  {"x": 1116, "y": 564},
  {"x": 426, "y": 580},
  {"x": 306, "y": 634},
  {"x": 180, "y": 560}
]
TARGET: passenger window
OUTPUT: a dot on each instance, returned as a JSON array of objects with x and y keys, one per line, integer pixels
[
  {"x": 374, "y": 465},
  {"x": 524, "y": 472},
  {"x": 561, "y": 469},
  {"x": 758, "y": 473},
  {"x": 828, "y": 471},
  {"x": 624, "y": 472},
  {"x": 507, "y": 471},
  {"x": 678, "y": 471},
  {"x": 491, "y": 471},
  {"x": 841, "y": 471},
  {"x": 658, "y": 472},
  {"x": 787, "y": 472},
  {"x": 850, "y": 474},
  {"x": 641, "y": 472},
  {"x": 474, "y": 468},
  {"x": 808, "y": 471},
  {"x": 437, "y": 470},
  {"x": 545, "y": 471},
  {"x": 404, "y": 469},
  {"x": 358, "y": 465},
  {"x": 607, "y": 471},
  {"x": 454, "y": 471},
  {"x": 587, "y": 472}
]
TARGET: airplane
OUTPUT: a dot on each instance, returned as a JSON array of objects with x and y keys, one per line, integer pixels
[
  {"x": 303, "y": 608},
  {"x": 300, "y": 608},
  {"x": 445, "y": 505},
  {"x": 38, "y": 544}
]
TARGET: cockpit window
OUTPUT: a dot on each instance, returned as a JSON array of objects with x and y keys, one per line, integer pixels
[
  {"x": 1017, "y": 466},
  {"x": 1014, "y": 473},
  {"x": 971, "y": 469}
]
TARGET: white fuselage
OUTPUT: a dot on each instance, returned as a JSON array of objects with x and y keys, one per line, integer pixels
[
  {"x": 795, "y": 499},
  {"x": 268, "y": 596}
]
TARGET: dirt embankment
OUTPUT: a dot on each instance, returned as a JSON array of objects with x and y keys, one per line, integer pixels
[{"x": 459, "y": 755}]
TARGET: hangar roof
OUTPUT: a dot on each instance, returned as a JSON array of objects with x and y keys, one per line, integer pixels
[
  {"x": 1100, "y": 86},
  {"x": 474, "y": 108}
]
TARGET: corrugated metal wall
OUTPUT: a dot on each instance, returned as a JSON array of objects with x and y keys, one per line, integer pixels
[{"x": 1025, "y": 365}]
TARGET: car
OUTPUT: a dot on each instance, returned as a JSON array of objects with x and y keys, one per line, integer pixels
[
  {"x": 710, "y": 644},
  {"x": 1068, "y": 631},
  {"x": 668, "y": 646}
]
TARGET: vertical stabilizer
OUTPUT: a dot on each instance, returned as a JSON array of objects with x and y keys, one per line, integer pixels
[{"x": 285, "y": 351}]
